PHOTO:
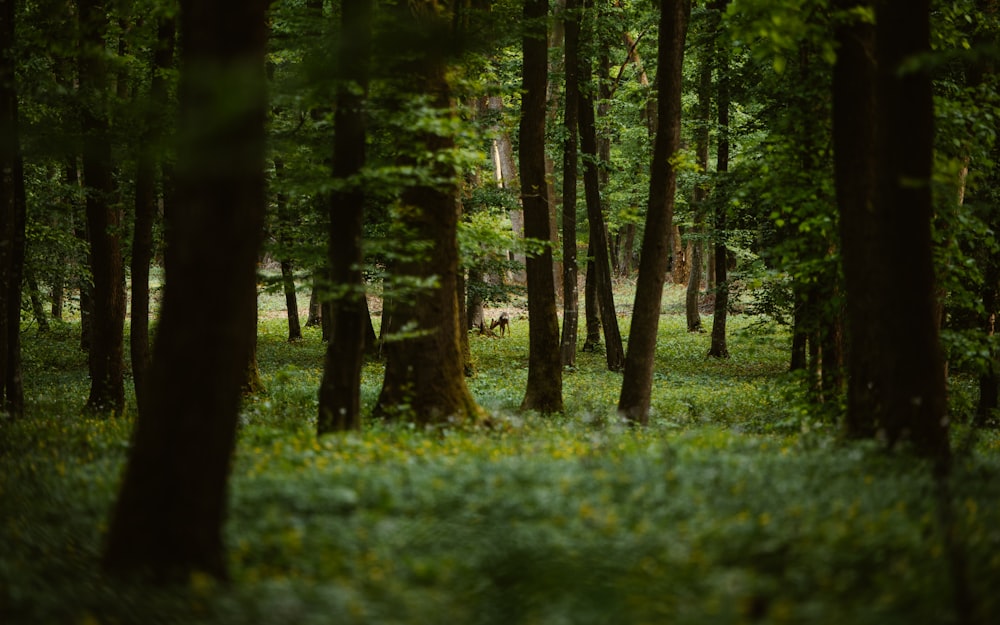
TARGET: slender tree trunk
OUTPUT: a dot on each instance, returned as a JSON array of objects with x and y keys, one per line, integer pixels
[
  {"x": 291, "y": 300},
  {"x": 637, "y": 382},
  {"x": 571, "y": 296},
  {"x": 315, "y": 307},
  {"x": 340, "y": 390},
  {"x": 693, "y": 294},
  {"x": 107, "y": 351},
  {"x": 286, "y": 223},
  {"x": 35, "y": 298},
  {"x": 544, "y": 389},
  {"x": 168, "y": 519},
  {"x": 12, "y": 223},
  {"x": 614, "y": 351},
  {"x": 145, "y": 206},
  {"x": 720, "y": 311},
  {"x": 592, "y": 310}
]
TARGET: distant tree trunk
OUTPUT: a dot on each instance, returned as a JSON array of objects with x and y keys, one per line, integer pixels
[
  {"x": 637, "y": 382},
  {"x": 315, "y": 307},
  {"x": 571, "y": 296},
  {"x": 556, "y": 41},
  {"x": 719, "y": 349},
  {"x": 544, "y": 388},
  {"x": 168, "y": 519},
  {"x": 474, "y": 302},
  {"x": 592, "y": 310},
  {"x": 423, "y": 370},
  {"x": 12, "y": 223},
  {"x": 286, "y": 222},
  {"x": 35, "y": 300},
  {"x": 693, "y": 295},
  {"x": 340, "y": 390},
  {"x": 614, "y": 351},
  {"x": 145, "y": 206},
  {"x": 107, "y": 351},
  {"x": 507, "y": 177}
]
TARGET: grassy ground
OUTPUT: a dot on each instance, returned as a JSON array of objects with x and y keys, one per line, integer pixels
[{"x": 736, "y": 505}]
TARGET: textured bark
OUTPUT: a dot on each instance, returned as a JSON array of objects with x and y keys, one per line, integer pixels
[
  {"x": 592, "y": 312},
  {"x": 692, "y": 300},
  {"x": 168, "y": 519},
  {"x": 424, "y": 376},
  {"x": 107, "y": 345},
  {"x": 285, "y": 226},
  {"x": 145, "y": 206},
  {"x": 544, "y": 388},
  {"x": 637, "y": 382},
  {"x": 571, "y": 295}
]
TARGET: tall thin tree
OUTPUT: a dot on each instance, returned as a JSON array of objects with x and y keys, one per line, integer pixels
[
  {"x": 637, "y": 382},
  {"x": 339, "y": 392},
  {"x": 571, "y": 115},
  {"x": 544, "y": 388}
]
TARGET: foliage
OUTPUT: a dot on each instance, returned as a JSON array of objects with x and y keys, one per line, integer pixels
[{"x": 733, "y": 505}]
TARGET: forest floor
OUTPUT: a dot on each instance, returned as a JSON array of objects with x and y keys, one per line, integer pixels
[{"x": 738, "y": 504}]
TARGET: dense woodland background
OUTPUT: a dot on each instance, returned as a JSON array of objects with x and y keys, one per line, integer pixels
[{"x": 254, "y": 256}]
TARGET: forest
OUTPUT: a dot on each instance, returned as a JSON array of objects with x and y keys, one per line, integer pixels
[{"x": 499, "y": 311}]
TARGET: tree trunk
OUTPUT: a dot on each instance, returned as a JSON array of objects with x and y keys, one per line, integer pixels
[
  {"x": 720, "y": 310},
  {"x": 12, "y": 223},
  {"x": 145, "y": 206},
  {"x": 592, "y": 312},
  {"x": 693, "y": 294},
  {"x": 914, "y": 396},
  {"x": 107, "y": 351},
  {"x": 291, "y": 300},
  {"x": 637, "y": 382},
  {"x": 614, "y": 351},
  {"x": 571, "y": 296},
  {"x": 424, "y": 377},
  {"x": 340, "y": 390},
  {"x": 544, "y": 388},
  {"x": 692, "y": 300},
  {"x": 315, "y": 307},
  {"x": 169, "y": 515}
]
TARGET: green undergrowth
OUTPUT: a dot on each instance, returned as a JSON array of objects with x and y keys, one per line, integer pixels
[{"x": 736, "y": 505}]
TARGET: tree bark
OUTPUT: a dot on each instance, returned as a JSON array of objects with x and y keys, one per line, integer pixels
[
  {"x": 168, "y": 519},
  {"x": 571, "y": 116},
  {"x": 592, "y": 312},
  {"x": 424, "y": 377},
  {"x": 12, "y": 223},
  {"x": 599, "y": 251},
  {"x": 145, "y": 205},
  {"x": 285, "y": 228},
  {"x": 340, "y": 389},
  {"x": 544, "y": 388},
  {"x": 637, "y": 382},
  {"x": 720, "y": 311},
  {"x": 107, "y": 350}
]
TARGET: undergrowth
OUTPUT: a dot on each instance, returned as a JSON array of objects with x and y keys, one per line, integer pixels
[{"x": 737, "y": 504}]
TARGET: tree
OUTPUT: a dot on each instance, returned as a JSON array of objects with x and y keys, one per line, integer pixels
[
  {"x": 720, "y": 309},
  {"x": 107, "y": 348},
  {"x": 424, "y": 375},
  {"x": 571, "y": 114},
  {"x": 544, "y": 389},
  {"x": 12, "y": 223},
  {"x": 339, "y": 393},
  {"x": 145, "y": 202},
  {"x": 168, "y": 518},
  {"x": 637, "y": 383},
  {"x": 599, "y": 250}
]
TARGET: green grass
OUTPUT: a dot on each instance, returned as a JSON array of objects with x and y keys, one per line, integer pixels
[{"x": 736, "y": 505}]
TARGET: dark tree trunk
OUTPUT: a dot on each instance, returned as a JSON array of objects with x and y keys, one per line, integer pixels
[
  {"x": 614, "y": 351},
  {"x": 693, "y": 294},
  {"x": 571, "y": 295},
  {"x": 107, "y": 350},
  {"x": 12, "y": 223},
  {"x": 170, "y": 511},
  {"x": 145, "y": 206},
  {"x": 291, "y": 300},
  {"x": 35, "y": 299},
  {"x": 719, "y": 349},
  {"x": 692, "y": 300},
  {"x": 592, "y": 312},
  {"x": 424, "y": 370},
  {"x": 315, "y": 307},
  {"x": 339, "y": 392},
  {"x": 544, "y": 388},
  {"x": 915, "y": 401},
  {"x": 637, "y": 382}
]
